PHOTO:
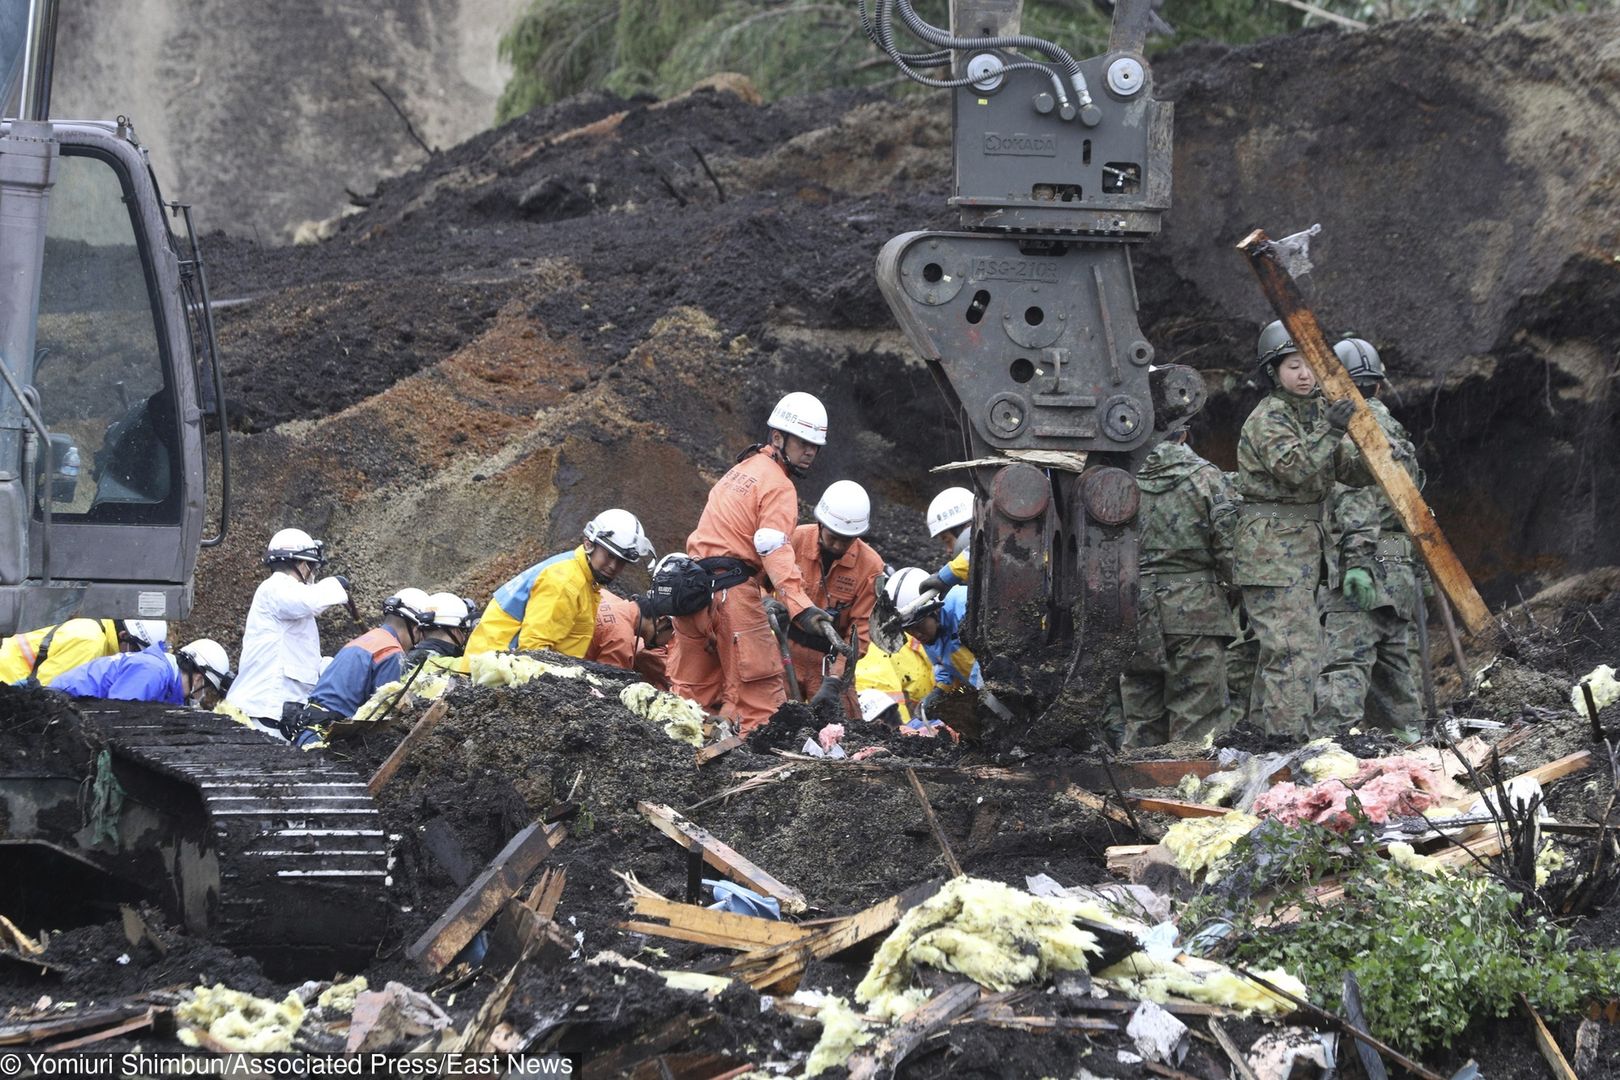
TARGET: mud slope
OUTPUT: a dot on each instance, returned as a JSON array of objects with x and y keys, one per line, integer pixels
[
  {"x": 598, "y": 303},
  {"x": 261, "y": 114}
]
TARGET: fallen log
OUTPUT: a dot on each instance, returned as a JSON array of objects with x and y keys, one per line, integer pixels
[
  {"x": 721, "y": 856},
  {"x": 479, "y": 902}
]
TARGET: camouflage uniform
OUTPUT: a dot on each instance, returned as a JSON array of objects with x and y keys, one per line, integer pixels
[
  {"x": 1175, "y": 685},
  {"x": 1369, "y": 672},
  {"x": 1288, "y": 459},
  {"x": 1240, "y": 651}
]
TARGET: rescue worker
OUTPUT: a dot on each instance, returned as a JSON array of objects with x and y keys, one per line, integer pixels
[
  {"x": 552, "y": 605},
  {"x": 281, "y": 645},
  {"x": 936, "y": 623},
  {"x": 725, "y": 656},
  {"x": 1290, "y": 451},
  {"x": 446, "y": 632},
  {"x": 950, "y": 520},
  {"x": 905, "y": 676},
  {"x": 364, "y": 663},
  {"x": 840, "y": 572},
  {"x": 44, "y": 654},
  {"x": 1369, "y": 673},
  {"x": 634, "y": 635},
  {"x": 197, "y": 674},
  {"x": 1174, "y": 687}
]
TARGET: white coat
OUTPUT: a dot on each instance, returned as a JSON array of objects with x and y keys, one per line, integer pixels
[{"x": 281, "y": 646}]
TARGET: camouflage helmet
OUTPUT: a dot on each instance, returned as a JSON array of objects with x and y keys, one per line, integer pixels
[
  {"x": 1275, "y": 343},
  {"x": 1360, "y": 360}
]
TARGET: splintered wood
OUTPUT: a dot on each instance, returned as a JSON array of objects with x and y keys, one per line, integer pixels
[
  {"x": 689, "y": 922},
  {"x": 720, "y": 856},
  {"x": 485, "y": 896}
]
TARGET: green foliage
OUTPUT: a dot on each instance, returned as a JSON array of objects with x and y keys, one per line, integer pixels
[
  {"x": 562, "y": 47},
  {"x": 1430, "y": 953}
]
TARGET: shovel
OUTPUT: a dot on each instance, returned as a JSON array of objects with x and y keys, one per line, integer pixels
[{"x": 773, "y": 613}]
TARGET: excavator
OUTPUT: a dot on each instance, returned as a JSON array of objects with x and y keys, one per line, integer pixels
[
  {"x": 111, "y": 385},
  {"x": 1026, "y": 316}
]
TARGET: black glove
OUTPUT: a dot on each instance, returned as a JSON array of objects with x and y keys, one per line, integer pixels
[
  {"x": 776, "y": 611},
  {"x": 343, "y": 581},
  {"x": 811, "y": 620},
  {"x": 1339, "y": 413},
  {"x": 934, "y": 583},
  {"x": 827, "y": 695}
]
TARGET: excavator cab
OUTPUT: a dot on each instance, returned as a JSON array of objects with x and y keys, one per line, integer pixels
[{"x": 105, "y": 405}]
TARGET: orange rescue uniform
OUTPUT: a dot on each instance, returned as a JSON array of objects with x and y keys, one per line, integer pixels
[
  {"x": 725, "y": 657},
  {"x": 846, "y": 591},
  {"x": 616, "y": 641}
]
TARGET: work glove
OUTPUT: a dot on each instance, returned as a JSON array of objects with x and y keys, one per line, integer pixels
[
  {"x": 1358, "y": 588},
  {"x": 343, "y": 581},
  {"x": 1339, "y": 413},
  {"x": 776, "y": 611},
  {"x": 935, "y": 584},
  {"x": 826, "y": 697},
  {"x": 812, "y": 619},
  {"x": 928, "y": 704}
]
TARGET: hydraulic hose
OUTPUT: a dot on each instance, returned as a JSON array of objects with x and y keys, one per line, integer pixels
[
  {"x": 935, "y": 36},
  {"x": 939, "y": 58},
  {"x": 885, "y": 41}
]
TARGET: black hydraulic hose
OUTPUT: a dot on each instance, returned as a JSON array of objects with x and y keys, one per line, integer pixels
[
  {"x": 885, "y": 31},
  {"x": 935, "y": 36},
  {"x": 939, "y": 58}
]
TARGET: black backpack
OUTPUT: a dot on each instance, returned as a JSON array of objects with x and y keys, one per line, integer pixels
[{"x": 680, "y": 586}]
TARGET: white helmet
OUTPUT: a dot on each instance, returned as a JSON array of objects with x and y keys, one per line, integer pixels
[
  {"x": 210, "y": 658},
  {"x": 951, "y": 509},
  {"x": 147, "y": 631},
  {"x": 412, "y": 605},
  {"x": 874, "y": 703},
  {"x": 905, "y": 592},
  {"x": 295, "y": 545},
  {"x": 845, "y": 508},
  {"x": 803, "y": 415},
  {"x": 620, "y": 532},
  {"x": 451, "y": 611}
]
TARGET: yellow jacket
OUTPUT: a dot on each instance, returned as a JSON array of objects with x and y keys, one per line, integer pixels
[
  {"x": 551, "y": 605},
  {"x": 77, "y": 641},
  {"x": 906, "y": 676}
]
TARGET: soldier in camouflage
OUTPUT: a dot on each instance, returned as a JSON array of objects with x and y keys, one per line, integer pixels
[
  {"x": 1174, "y": 688},
  {"x": 1290, "y": 452},
  {"x": 1368, "y": 672}
]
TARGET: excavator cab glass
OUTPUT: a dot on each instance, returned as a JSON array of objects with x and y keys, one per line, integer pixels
[{"x": 101, "y": 373}]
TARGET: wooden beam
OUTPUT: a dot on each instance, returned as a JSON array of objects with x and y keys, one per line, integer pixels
[
  {"x": 784, "y": 962},
  {"x": 1102, "y": 806},
  {"x": 1557, "y": 770},
  {"x": 1416, "y": 517},
  {"x": 479, "y": 902},
  {"x": 933, "y": 823},
  {"x": 720, "y": 856},
  {"x": 688, "y": 922},
  {"x": 1545, "y": 1042},
  {"x": 1175, "y": 807},
  {"x": 138, "y": 1023},
  {"x": 911, "y": 1029},
  {"x": 1240, "y": 1065},
  {"x": 413, "y": 738},
  {"x": 715, "y": 749},
  {"x": 31, "y": 1031}
]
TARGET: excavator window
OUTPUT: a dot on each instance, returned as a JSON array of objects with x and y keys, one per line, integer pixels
[{"x": 101, "y": 372}]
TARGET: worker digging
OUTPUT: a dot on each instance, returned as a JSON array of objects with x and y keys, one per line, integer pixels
[{"x": 843, "y": 584}]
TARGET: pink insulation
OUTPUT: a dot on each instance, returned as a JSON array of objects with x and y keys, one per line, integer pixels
[{"x": 1387, "y": 787}]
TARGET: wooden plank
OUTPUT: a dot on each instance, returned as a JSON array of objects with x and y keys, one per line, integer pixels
[
  {"x": 413, "y": 738},
  {"x": 1240, "y": 1065},
  {"x": 1546, "y": 1043},
  {"x": 1168, "y": 772},
  {"x": 138, "y": 1023},
  {"x": 1416, "y": 517},
  {"x": 911, "y": 1029},
  {"x": 1178, "y": 1006},
  {"x": 787, "y": 961},
  {"x": 933, "y": 823},
  {"x": 720, "y": 856},
  {"x": 1120, "y": 858},
  {"x": 1557, "y": 770},
  {"x": 26, "y": 1031},
  {"x": 1176, "y": 807},
  {"x": 547, "y": 892},
  {"x": 479, "y": 902},
  {"x": 1102, "y": 806},
  {"x": 725, "y": 928},
  {"x": 713, "y": 750}
]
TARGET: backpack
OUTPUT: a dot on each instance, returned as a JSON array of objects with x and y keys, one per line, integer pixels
[{"x": 680, "y": 586}]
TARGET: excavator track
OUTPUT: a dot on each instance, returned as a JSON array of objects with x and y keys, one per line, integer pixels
[{"x": 269, "y": 850}]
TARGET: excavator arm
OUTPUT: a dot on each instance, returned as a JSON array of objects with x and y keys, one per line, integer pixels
[{"x": 1027, "y": 317}]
